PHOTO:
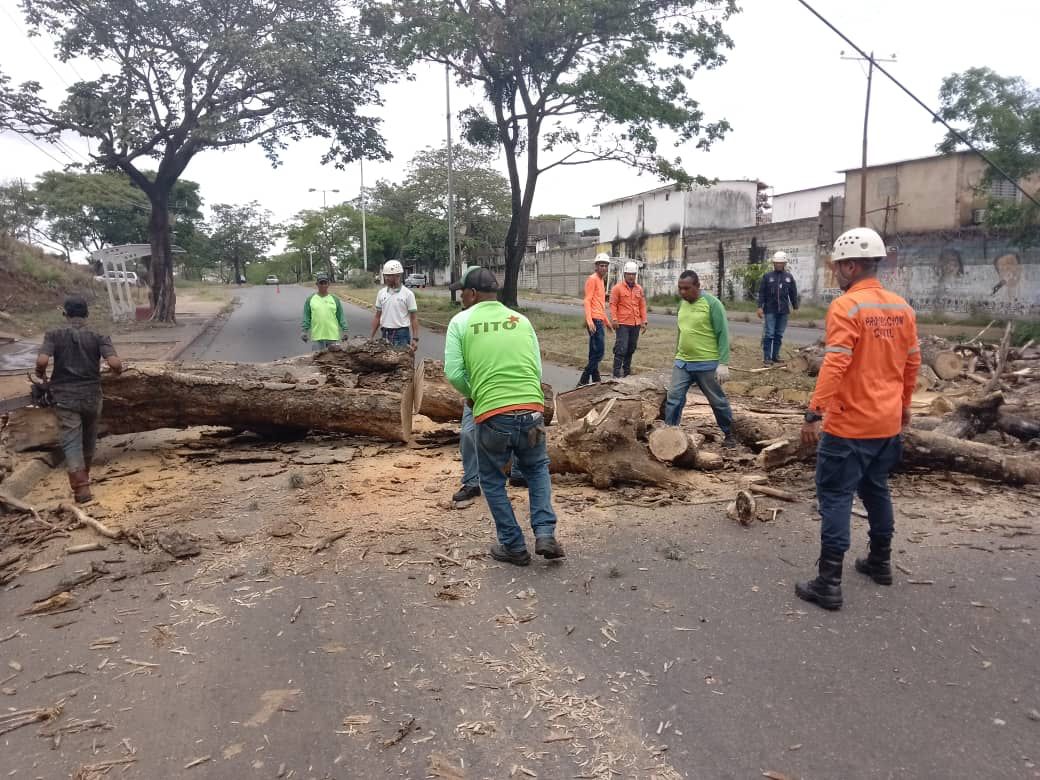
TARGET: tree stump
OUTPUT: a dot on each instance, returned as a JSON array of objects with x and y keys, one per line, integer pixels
[{"x": 649, "y": 389}]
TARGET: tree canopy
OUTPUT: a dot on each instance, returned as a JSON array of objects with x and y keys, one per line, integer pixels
[
  {"x": 1001, "y": 116},
  {"x": 240, "y": 234},
  {"x": 184, "y": 76},
  {"x": 569, "y": 82}
]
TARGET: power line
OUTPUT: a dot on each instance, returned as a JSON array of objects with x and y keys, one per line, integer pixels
[
  {"x": 30, "y": 41},
  {"x": 960, "y": 136}
]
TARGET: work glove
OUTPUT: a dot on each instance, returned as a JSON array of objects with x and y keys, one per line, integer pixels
[
  {"x": 305, "y": 337},
  {"x": 722, "y": 373}
]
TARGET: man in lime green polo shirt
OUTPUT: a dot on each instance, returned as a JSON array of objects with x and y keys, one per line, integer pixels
[
  {"x": 324, "y": 323},
  {"x": 491, "y": 357},
  {"x": 701, "y": 355}
]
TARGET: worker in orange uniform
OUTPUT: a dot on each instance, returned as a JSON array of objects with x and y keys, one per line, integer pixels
[
  {"x": 628, "y": 310},
  {"x": 596, "y": 320},
  {"x": 863, "y": 399}
]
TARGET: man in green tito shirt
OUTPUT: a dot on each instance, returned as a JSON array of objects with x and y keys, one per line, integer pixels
[
  {"x": 701, "y": 355},
  {"x": 491, "y": 357},
  {"x": 323, "y": 321}
]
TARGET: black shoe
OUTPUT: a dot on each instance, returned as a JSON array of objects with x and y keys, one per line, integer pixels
[
  {"x": 548, "y": 547},
  {"x": 466, "y": 492},
  {"x": 594, "y": 376},
  {"x": 877, "y": 565},
  {"x": 502, "y": 553},
  {"x": 584, "y": 379},
  {"x": 517, "y": 480},
  {"x": 825, "y": 590},
  {"x": 730, "y": 442}
]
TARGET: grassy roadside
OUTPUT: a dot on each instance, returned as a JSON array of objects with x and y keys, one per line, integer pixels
[{"x": 564, "y": 341}]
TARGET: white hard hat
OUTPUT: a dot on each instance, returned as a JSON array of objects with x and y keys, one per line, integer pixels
[
  {"x": 631, "y": 267},
  {"x": 393, "y": 267},
  {"x": 780, "y": 257},
  {"x": 859, "y": 243},
  {"x": 602, "y": 257}
]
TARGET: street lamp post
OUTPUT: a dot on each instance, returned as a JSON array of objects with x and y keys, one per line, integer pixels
[
  {"x": 324, "y": 216},
  {"x": 364, "y": 229}
]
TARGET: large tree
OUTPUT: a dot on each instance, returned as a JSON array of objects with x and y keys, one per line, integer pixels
[
  {"x": 241, "y": 235},
  {"x": 1001, "y": 116},
  {"x": 569, "y": 82},
  {"x": 184, "y": 76}
]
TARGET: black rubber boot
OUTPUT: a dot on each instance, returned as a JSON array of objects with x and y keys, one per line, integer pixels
[
  {"x": 595, "y": 375},
  {"x": 878, "y": 563},
  {"x": 548, "y": 547},
  {"x": 584, "y": 378},
  {"x": 825, "y": 590}
]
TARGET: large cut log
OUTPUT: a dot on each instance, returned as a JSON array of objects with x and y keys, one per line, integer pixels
[
  {"x": 931, "y": 450},
  {"x": 609, "y": 447},
  {"x": 934, "y": 450},
  {"x": 671, "y": 444},
  {"x": 649, "y": 389},
  {"x": 752, "y": 430},
  {"x": 31, "y": 428},
  {"x": 360, "y": 387},
  {"x": 946, "y": 363},
  {"x": 437, "y": 399},
  {"x": 1021, "y": 427}
]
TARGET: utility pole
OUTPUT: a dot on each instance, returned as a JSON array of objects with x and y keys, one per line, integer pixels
[
  {"x": 453, "y": 274},
  {"x": 364, "y": 230},
  {"x": 330, "y": 234},
  {"x": 866, "y": 120}
]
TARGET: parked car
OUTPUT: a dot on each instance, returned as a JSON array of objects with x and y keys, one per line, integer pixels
[
  {"x": 271, "y": 279},
  {"x": 416, "y": 280}
]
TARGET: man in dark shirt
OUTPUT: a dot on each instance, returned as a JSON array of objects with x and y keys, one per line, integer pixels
[
  {"x": 777, "y": 295},
  {"x": 76, "y": 388}
]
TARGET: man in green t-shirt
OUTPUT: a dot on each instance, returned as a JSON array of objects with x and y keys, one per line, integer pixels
[
  {"x": 324, "y": 323},
  {"x": 701, "y": 355},
  {"x": 491, "y": 357}
]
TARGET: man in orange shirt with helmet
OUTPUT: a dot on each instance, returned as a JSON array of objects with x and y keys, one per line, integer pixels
[
  {"x": 862, "y": 397},
  {"x": 628, "y": 310},
  {"x": 596, "y": 320}
]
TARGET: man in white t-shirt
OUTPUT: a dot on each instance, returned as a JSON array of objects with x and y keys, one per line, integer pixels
[{"x": 396, "y": 313}]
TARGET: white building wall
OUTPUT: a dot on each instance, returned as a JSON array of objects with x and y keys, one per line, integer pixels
[{"x": 804, "y": 203}]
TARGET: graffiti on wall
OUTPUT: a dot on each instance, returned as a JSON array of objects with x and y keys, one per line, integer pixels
[{"x": 958, "y": 278}]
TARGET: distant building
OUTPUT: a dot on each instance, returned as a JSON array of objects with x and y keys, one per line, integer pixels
[{"x": 801, "y": 204}]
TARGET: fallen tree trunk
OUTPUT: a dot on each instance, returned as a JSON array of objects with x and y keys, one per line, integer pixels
[
  {"x": 1016, "y": 425},
  {"x": 608, "y": 446},
  {"x": 649, "y": 389},
  {"x": 972, "y": 417},
  {"x": 437, "y": 399},
  {"x": 362, "y": 388}
]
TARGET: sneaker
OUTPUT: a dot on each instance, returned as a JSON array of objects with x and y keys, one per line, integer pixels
[
  {"x": 517, "y": 481},
  {"x": 730, "y": 442},
  {"x": 548, "y": 547},
  {"x": 465, "y": 493},
  {"x": 516, "y": 557}
]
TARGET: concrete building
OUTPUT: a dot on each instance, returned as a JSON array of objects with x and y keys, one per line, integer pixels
[
  {"x": 803, "y": 204},
  {"x": 649, "y": 226},
  {"x": 941, "y": 192}
]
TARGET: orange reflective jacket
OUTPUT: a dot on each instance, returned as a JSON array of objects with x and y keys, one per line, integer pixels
[
  {"x": 595, "y": 300},
  {"x": 871, "y": 362},
  {"x": 627, "y": 304}
]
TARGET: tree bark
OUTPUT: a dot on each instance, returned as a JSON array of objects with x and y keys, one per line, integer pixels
[
  {"x": 946, "y": 363},
  {"x": 164, "y": 295},
  {"x": 609, "y": 447},
  {"x": 972, "y": 417},
  {"x": 1017, "y": 425},
  {"x": 649, "y": 389},
  {"x": 934, "y": 450},
  {"x": 363, "y": 388}
]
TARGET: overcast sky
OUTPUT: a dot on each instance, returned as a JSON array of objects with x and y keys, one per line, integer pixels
[{"x": 796, "y": 107}]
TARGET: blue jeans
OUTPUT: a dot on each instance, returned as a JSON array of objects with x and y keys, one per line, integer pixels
[
  {"x": 709, "y": 385},
  {"x": 848, "y": 466},
  {"x": 772, "y": 335},
  {"x": 597, "y": 347},
  {"x": 398, "y": 337},
  {"x": 322, "y": 344},
  {"x": 517, "y": 437},
  {"x": 626, "y": 339},
  {"x": 468, "y": 448}
]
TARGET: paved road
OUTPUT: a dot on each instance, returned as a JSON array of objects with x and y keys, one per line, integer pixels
[
  {"x": 266, "y": 326},
  {"x": 794, "y": 334}
]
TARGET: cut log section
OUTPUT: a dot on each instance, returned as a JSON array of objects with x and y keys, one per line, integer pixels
[
  {"x": 743, "y": 509},
  {"x": 946, "y": 363},
  {"x": 361, "y": 387},
  {"x": 649, "y": 389},
  {"x": 437, "y": 399},
  {"x": 608, "y": 446},
  {"x": 673, "y": 445}
]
